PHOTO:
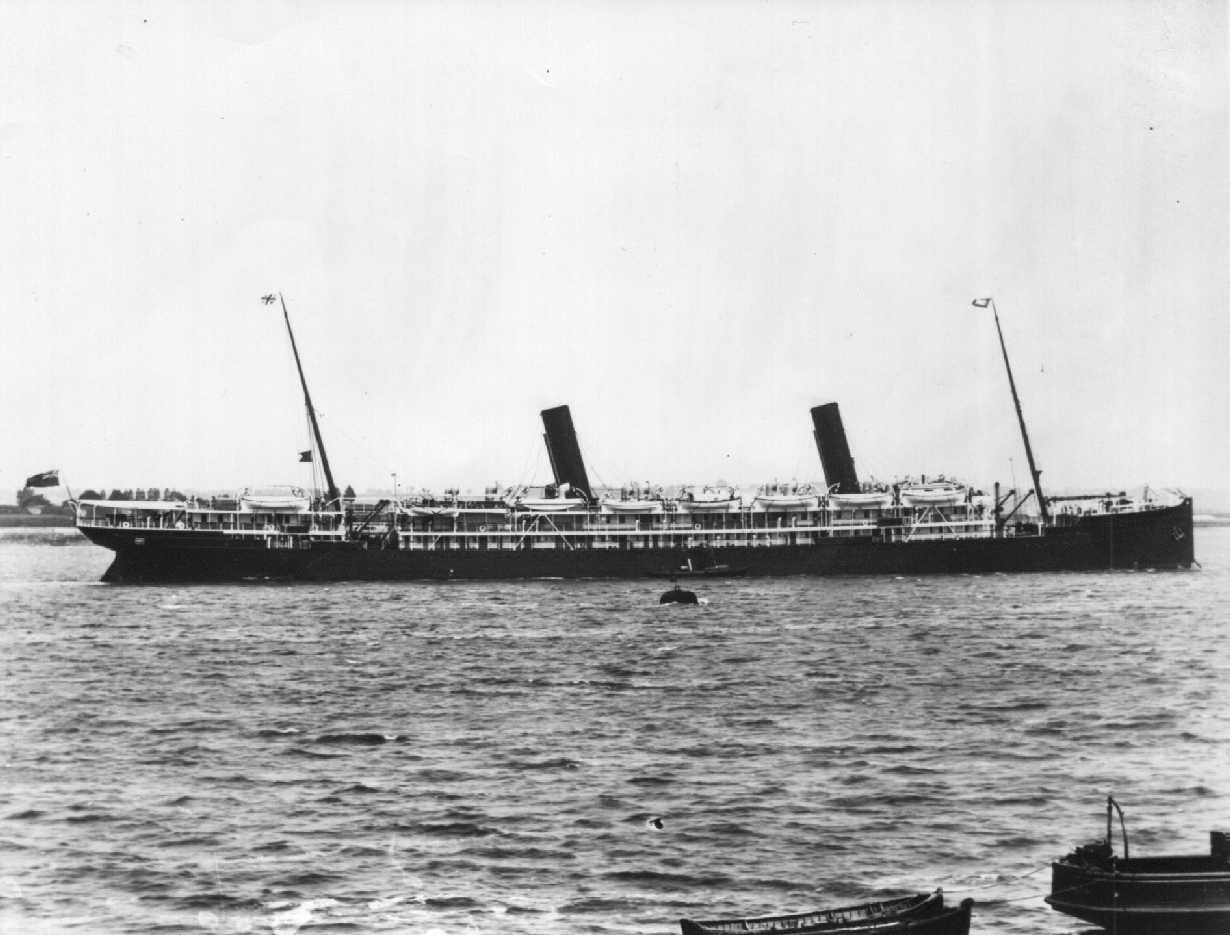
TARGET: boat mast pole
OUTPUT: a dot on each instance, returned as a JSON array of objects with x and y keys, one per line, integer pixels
[
  {"x": 331, "y": 493},
  {"x": 1029, "y": 452}
]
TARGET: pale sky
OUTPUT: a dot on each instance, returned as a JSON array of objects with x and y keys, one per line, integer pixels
[{"x": 690, "y": 221}]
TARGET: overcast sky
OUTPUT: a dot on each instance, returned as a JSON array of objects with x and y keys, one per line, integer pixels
[{"x": 690, "y": 221}]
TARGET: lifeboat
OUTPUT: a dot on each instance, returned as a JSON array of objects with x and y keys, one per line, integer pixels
[
  {"x": 633, "y": 506},
  {"x": 545, "y": 504},
  {"x": 777, "y": 501},
  {"x": 873, "y": 500},
  {"x": 711, "y": 501},
  {"x": 274, "y": 500},
  {"x": 431, "y": 511},
  {"x": 773, "y": 497},
  {"x": 937, "y": 494}
]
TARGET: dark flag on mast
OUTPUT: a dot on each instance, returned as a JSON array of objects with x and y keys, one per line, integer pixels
[
  {"x": 46, "y": 479},
  {"x": 981, "y": 303},
  {"x": 269, "y": 299},
  {"x": 305, "y": 455}
]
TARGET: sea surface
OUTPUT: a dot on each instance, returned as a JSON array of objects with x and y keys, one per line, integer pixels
[{"x": 483, "y": 758}]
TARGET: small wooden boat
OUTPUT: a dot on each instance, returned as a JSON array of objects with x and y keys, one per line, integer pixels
[
  {"x": 937, "y": 494},
  {"x": 432, "y": 511},
  {"x": 922, "y": 914},
  {"x": 786, "y": 496},
  {"x": 875, "y": 500},
  {"x": 726, "y": 505},
  {"x": 697, "y": 571},
  {"x": 778, "y": 501},
  {"x": 546, "y": 504},
  {"x": 633, "y": 506},
  {"x": 274, "y": 500},
  {"x": 1138, "y": 895}
]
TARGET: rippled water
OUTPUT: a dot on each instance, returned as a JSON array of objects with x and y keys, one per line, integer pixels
[{"x": 453, "y": 757}]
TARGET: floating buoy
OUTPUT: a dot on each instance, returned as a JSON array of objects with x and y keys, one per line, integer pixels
[
  {"x": 678, "y": 595},
  {"x": 655, "y": 823}
]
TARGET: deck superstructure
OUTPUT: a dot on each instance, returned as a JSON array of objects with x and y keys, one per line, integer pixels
[{"x": 487, "y": 537}]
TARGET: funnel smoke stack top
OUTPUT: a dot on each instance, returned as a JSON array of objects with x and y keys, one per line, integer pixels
[
  {"x": 834, "y": 451},
  {"x": 562, "y": 448}
]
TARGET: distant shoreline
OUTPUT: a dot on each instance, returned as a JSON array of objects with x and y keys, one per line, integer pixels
[{"x": 30, "y": 520}]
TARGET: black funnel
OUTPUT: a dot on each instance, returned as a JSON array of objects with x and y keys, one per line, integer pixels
[
  {"x": 833, "y": 448},
  {"x": 562, "y": 448}
]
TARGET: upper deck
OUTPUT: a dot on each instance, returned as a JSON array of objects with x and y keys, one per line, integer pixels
[{"x": 495, "y": 523}]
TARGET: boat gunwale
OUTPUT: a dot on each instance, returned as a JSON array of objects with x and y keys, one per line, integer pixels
[
  {"x": 1102, "y": 874},
  {"x": 1163, "y": 909},
  {"x": 910, "y": 905}
]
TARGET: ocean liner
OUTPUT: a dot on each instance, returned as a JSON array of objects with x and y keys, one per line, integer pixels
[{"x": 570, "y": 529}]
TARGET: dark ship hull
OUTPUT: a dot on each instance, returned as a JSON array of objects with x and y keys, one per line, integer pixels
[
  {"x": 1159, "y": 538},
  {"x": 1167, "y": 895},
  {"x": 1162, "y": 896}
]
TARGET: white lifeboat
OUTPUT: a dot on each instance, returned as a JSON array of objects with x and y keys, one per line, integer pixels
[
  {"x": 431, "y": 511},
  {"x": 711, "y": 501},
  {"x": 872, "y": 500},
  {"x": 545, "y": 504},
  {"x": 633, "y": 506},
  {"x": 943, "y": 493},
  {"x": 274, "y": 500},
  {"x": 777, "y": 498}
]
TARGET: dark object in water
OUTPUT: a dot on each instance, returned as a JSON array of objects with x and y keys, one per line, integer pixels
[
  {"x": 1154, "y": 895},
  {"x": 677, "y": 595},
  {"x": 923, "y": 914}
]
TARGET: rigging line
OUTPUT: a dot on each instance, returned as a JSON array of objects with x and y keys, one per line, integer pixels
[
  {"x": 526, "y": 465},
  {"x": 997, "y": 881},
  {"x": 1018, "y": 899},
  {"x": 364, "y": 449},
  {"x": 601, "y": 480},
  {"x": 1013, "y": 899},
  {"x": 537, "y": 468}
]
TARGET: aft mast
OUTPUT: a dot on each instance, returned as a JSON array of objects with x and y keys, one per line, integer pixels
[
  {"x": 1029, "y": 452},
  {"x": 331, "y": 493}
]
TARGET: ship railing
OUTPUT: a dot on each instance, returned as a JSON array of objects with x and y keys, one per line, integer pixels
[
  {"x": 957, "y": 529},
  {"x": 168, "y": 515},
  {"x": 608, "y": 537},
  {"x": 139, "y": 514},
  {"x": 177, "y": 516}
]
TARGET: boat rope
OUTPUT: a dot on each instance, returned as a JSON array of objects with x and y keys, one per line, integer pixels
[
  {"x": 1016, "y": 899},
  {"x": 998, "y": 880}
]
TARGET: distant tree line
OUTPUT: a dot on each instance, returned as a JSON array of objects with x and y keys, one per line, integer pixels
[
  {"x": 133, "y": 493},
  {"x": 28, "y": 496}
]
